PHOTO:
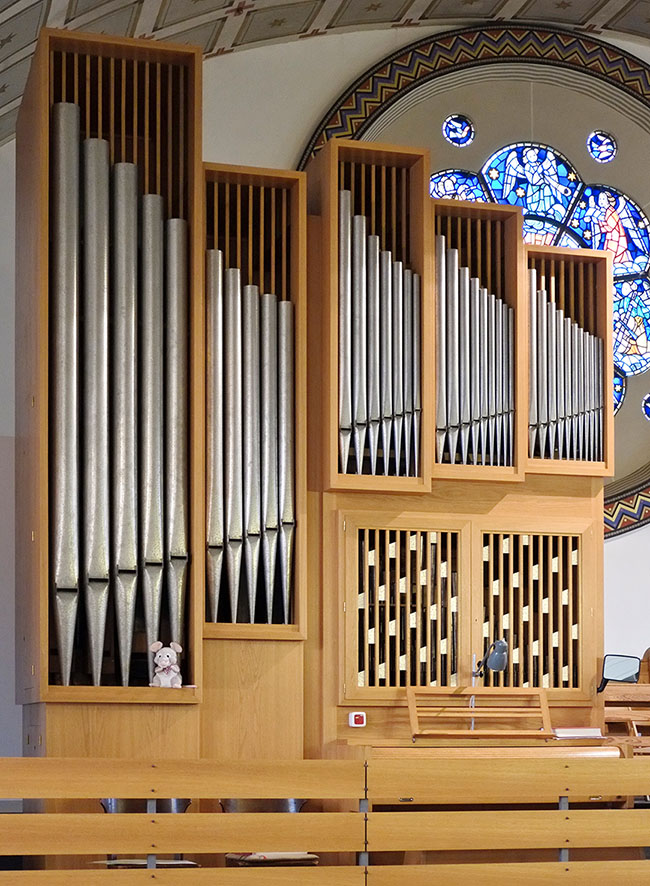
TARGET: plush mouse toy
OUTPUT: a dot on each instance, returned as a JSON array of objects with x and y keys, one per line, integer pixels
[{"x": 166, "y": 672}]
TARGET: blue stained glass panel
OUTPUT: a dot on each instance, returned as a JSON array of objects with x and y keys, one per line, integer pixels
[
  {"x": 606, "y": 219},
  {"x": 620, "y": 385},
  {"x": 458, "y": 130},
  {"x": 602, "y": 146},
  {"x": 645, "y": 405},
  {"x": 632, "y": 326},
  {"x": 533, "y": 176},
  {"x": 542, "y": 233},
  {"x": 457, "y": 184},
  {"x": 569, "y": 241}
]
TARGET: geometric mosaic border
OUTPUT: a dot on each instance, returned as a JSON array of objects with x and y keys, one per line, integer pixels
[
  {"x": 395, "y": 76},
  {"x": 628, "y": 510},
  {"x": 427, "y": 59}
]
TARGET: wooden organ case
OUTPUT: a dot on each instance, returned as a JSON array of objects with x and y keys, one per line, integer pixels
[
  {"x": 332, "y": 455},
  {"x": 478, "y": 516}
]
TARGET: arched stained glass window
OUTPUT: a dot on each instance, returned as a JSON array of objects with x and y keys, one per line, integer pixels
[{"x": 562, "y": 210}]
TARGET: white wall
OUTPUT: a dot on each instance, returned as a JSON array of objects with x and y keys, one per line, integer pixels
[
  {"x": 260, "y": 107},
  {"x": 627, "y": 593}
]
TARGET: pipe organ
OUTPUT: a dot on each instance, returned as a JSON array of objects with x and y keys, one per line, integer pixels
[
  {"x": 252, "y": 239},
  {"x": 119, "y": 370},
  {"x": 316, "y": 533},
  {"x": 380, "y": 397}
]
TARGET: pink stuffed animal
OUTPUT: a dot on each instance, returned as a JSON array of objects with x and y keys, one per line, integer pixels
[{"x": 167, "y": 672}]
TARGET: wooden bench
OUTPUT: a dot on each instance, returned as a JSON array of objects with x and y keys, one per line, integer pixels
[{"x": 364, "y": 823}]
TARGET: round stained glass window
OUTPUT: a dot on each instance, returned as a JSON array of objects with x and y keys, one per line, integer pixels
[
  {"x": 602, "y": 146},
  {"x": 645, "y": 405},
  {"x": 619, "y": 390},
  {"x": 458, "y": 130}
]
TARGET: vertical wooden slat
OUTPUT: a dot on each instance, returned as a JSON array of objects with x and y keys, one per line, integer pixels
[
  {"x": 384, "y": 244},
  {"x": 377, "y": 535},
  {"x": 158, "y": 130},
  {"x": 100, "y": 98},
  {"x": 541, "y": 636},
  {"x": 521, "y": 641},
  {"x": 181, "y": 145},
  {"x": 351, "y": 167},
  {"x": 285, "y": 244},
  {"x": 64, "y": 79},
  {"x": 87, "y": 96},
  {"x": 408, "y": 607},
  {"x": 500, "y": 600},
  {"x": 393, "y": 209},
  {"x": 590, "y": 307},
  {"x": 373, "y": 199},
  {"x": 272, "y": 242},
  {"x": 530, "y": 632},
  {"x": 215, "y": 213},
  {"x": 145, "y": 112},
  {"x": 488, "y": 539},
  {"x": 429, "y": 597},
  {"x": 398, "y": 605},
  {"x": 227, "y": 224},
  {"x": 561, "y": 610},
  {"x": 550, "y": 589},
  {"x": 362, "y": 189},
  {"x": 134, "y": 66},
  {"x": 418, "y": 608},
  {"x": 569, "y": 613},
  {"x": 366, "y": 602},
  {"x": 438, "y": 592},
  {"x": 261, "y": 233},
  {"x": 238, "y": 243},
  {"x": 510, "y": 636},
  {"x": 123, "y": 111},
  {"x": 479, "y": 248},
  {"x": 111, "y": 109},
  {"x": 448, "y": 561},
  {"x": 581, "y": 294},
  {"x": 488, "y": 257},
  {"x": 498, "y": 247},
  {"x": 250, "y": 235},
  {"x": 561, "y": 286},
  {"x": 551, "y": 280},
  {"x": 404, "y": 217},
  {"x": 387, "y": 586},
  {"x": 170, "y": 129},
  {"x": 468, "y": 240}
]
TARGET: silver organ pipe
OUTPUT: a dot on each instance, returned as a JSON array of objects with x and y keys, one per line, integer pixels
[
  {"x": 475, "y": 367},
  {"x": 379, "y": 353},
  {"x": 566, "y": 383},
  {"x": 64, "y": 399},
  {"x": 251, "y": 448}
]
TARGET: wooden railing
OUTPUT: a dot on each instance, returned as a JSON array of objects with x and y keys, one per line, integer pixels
[{"x": 360, "y": 833}]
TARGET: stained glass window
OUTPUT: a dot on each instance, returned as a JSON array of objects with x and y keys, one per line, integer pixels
[
  {"x": 602, "y": 146},
  {"x": 645, "y": 405},
  {"x": 458, "y": 130},
  {"x": 620, "y": 383},
  {"x": 562, "y": 210}
]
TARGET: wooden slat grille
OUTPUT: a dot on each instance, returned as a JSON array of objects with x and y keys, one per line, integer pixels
[
  {"x": 381, "y": 193},
  {"x": 531, "y": 593},
  {"x": 141, "y": 107},
  {"x": 407, "y": 622},
  {"x": 481, "y": 245}
]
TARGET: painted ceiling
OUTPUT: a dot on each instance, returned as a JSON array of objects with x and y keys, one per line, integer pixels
[{"x": 224, "y": 26}]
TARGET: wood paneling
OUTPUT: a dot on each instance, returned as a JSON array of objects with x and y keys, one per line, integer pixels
[
  {"x": 575, "y": 873},
  {"x": 139, "y": 731},
  {"x": 255, "y": 876},
  {"x": 156, "y": 777},
  {"x": 253, "y": 700}
]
